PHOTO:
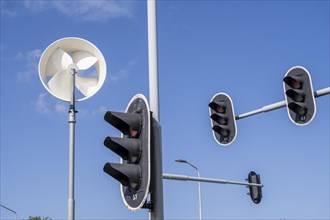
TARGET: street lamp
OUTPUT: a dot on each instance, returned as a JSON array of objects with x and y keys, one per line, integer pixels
[
  {"x": 9, "y": 210},
  {"x": 199, "y": 185}
]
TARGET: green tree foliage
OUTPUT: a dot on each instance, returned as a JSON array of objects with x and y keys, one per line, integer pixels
[{"x": 38, "y": 218}]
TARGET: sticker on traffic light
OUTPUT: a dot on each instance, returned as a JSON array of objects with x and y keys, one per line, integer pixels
[
  {"x": 299, "y": 95},
  {"x": 133, "y": 147},
  {"x": 223, "y": 120}
]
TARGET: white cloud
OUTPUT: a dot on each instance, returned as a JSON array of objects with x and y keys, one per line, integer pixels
[
  {"x": 123, "y": 73},
  {"x": 46, "y": 104},
  {"x": 61, "y": 108},
  {"x": 100, "y": 110},
  {"x": 92, "y": 10},
  {"x": 36, "y": 6},
  {"x": 5, "y": 11},
  {"x": 31, "y": 59},
  {"x": 41, "y": 104}
]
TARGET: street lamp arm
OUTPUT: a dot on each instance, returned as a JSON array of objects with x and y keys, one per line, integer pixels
[{"x": 9, "y": 210}]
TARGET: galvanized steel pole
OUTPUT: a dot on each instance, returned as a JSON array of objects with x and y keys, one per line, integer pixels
[
  {"x": 280, "y": 104},
  {"x": 208, "y": 180},
  {"x": 156, "y": 194}
]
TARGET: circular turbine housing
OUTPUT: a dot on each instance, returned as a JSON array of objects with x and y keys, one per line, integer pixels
[{"x": 70, "y": 45}]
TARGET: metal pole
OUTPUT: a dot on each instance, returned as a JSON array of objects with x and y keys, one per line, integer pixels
[
  {"x": 322, "y": 92},
  {"x": 72, "y": 122},
  {"x": 280, "y": 104},
  {"x": 200, "y": 197},
  {"x": 156, "y": 195},
  {"x": 9, "y": 210},
  {"x": 208, "y": 180},
  {"x": 153, "y": 58},
  {"x": 199, "y": 186}
]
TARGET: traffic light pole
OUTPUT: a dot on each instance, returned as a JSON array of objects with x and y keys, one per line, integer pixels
[
  {"x": 208, "y": 180},
  {"x": 156, "y": 195},
  {"x": 281, "y": 104},
  {"x": 153, "y": 59}
]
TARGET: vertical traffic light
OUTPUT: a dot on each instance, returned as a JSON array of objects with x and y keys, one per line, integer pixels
[
  {"x": 134, "y": 149},
  {"x": 255, "y": 191},
  {"x": 299, "y": 95},
  {"x": 223, "y": 119}
]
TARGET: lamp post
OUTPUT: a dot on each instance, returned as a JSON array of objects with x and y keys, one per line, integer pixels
[
  {"x": 9, "y": 210},
  {"x": 199, "y": 185}
]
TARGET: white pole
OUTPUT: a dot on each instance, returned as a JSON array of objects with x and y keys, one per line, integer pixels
[
  {"x": 281, "y": 104},
  {"x": 156, "y": 195},
  {"x": 153, "y": 59},
  {"x": 72, "y": 123},
  {"x": 200, "y": 196},
  {"x": 199, "y": 184},
  {"x": 71, "y": 204},
  {"x": 207, "y": 180}
]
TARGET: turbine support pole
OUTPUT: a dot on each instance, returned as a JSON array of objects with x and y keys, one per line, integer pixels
[{"x": 72, "y": 123}]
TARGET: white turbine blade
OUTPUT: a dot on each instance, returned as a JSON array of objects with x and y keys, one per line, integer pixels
[
  {"x": 60, "y": 84},
  {"x": 51, "y": 69},
  {"x": 58, "y": 61},
  {"x": 86, "y": 85},
  {"x": 83, "y": 59}
]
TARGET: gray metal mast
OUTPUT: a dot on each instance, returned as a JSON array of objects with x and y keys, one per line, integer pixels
[
  {"x": 72, "y": 122},
  {"x": 156, "y": 195}
]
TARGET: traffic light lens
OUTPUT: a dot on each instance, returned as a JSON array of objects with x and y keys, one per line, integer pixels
[
  {"x": 222, "y": 130},
  {"x": 300, "y": 110},
  {"x": 221, "y": 109},
  {"x": 220, "y": 118},
  {"x": 133, "y": 133},
  {"x": 296, "y": 95},
  {"x": 295, "y": 84},
  {"x": 299, "y": 98}
]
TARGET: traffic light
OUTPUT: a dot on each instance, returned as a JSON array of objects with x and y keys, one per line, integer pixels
[
  {"x": 223, "y": 119},
  {"x": 134, "y": 149},
  {"x": 255, "y": 191},
  {"x": 299, "y": 95}
]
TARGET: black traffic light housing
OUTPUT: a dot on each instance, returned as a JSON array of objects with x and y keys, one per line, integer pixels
[
  {"x": 255, "y": 191},
  {"x": 134, "y": 149},
  {"x": 223, "y": 120},
  {"x": 299, "y": 95}
]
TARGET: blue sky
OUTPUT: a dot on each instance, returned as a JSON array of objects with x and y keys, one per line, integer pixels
[{"x": 242, "y": 48}]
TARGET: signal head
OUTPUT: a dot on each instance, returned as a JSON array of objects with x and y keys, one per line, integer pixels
[{"x": 223, "y": 120}]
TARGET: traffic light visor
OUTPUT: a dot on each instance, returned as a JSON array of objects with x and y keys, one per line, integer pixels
[
  {"x": 127, "y": 174},
  {"x": 128, "y": 124},
  {"x": 295, "y": 82},
  {"x": 219, "y": 107}
]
